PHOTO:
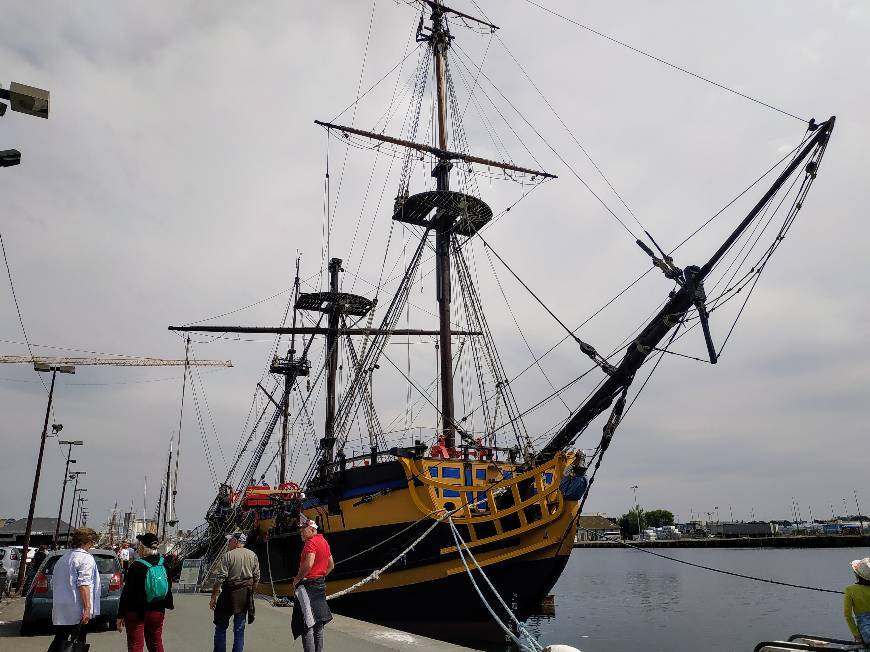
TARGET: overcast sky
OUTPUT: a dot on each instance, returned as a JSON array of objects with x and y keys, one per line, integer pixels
[{"x": 180, "y": 172}]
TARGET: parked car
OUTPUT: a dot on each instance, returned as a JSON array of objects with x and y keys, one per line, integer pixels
[
  {"x": 37, "y": 606},
  {"x": 31, "y": 551},
  {"x": 9, "y": 558}
]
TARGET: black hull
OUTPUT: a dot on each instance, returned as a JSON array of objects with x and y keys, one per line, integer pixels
[{"x": 454, "y": 598}]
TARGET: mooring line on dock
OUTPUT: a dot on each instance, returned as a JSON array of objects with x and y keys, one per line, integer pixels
[
  {"x": 533, "y": 644},
  {"x": 376, "y": 574},
  {"x": 716, "y": 570}
]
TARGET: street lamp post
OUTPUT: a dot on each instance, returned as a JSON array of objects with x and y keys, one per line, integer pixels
[
  {"x": 80, "y": 508},
  {"x": 72, "y": 503},
  {"x": 64, "y": 369},
  {"x": 63, "y": 488}
]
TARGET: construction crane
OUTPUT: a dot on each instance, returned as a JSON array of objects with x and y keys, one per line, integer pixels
[
  {"x": 116, "y": 361},
  {"x": 68, "y": 365}
]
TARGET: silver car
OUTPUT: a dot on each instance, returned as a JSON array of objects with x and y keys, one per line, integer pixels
[{"x": 37, "y": 606}]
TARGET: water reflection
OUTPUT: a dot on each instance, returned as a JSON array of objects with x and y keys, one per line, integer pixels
[
  {"x": 616, "y": 600},
  {"x": 611, "y": 600}
]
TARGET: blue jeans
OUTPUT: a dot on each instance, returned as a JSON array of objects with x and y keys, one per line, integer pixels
[
  {"x": 220, "y": 634},
  {"x": 863, "y": 622}
]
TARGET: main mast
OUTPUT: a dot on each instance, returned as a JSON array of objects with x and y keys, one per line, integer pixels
[{"x": 440, "y": 40}]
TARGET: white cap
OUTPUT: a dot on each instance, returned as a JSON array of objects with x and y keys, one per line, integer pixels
[
  {"x": 241, "y": 537},
  {"x": 311, "y": 524}
]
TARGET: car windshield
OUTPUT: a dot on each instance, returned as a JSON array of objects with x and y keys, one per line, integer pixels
[{"x": 105, "y": 564}]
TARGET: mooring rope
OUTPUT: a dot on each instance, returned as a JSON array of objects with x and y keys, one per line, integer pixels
[
  {"x": 460, "y": 544},
  {"x": 376, "y": 574},
  {"x": 716, "y": 570}
]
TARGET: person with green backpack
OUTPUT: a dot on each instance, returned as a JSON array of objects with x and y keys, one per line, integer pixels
[{"x": 146, "y": 596}]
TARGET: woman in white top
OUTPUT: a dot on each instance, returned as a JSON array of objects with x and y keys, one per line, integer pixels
[{"x": 75, "y": 588}]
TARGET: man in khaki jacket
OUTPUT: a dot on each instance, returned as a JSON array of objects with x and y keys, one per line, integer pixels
[{"x": 232, "y": 595}]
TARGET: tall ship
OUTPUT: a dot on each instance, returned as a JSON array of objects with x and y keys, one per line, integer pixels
[{"x": 398, "y": 503}]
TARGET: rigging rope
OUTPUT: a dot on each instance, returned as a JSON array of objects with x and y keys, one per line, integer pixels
[
  {"x": 557, "y": 154},
  {"x": 375, "y": 575},
  {"x": 665, "y": 62},
  {"x": 531, "y": 643},
  {"x": 587, "y": 349},
  {"x": 181, "y": 413},
  {"x": 571, "y": 134}
]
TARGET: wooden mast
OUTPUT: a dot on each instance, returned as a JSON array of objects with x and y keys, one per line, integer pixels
[
  {"x": 328, "y": 441},
  {"x": 288, "y": 385},
  {"x": 440, "y": 41}
]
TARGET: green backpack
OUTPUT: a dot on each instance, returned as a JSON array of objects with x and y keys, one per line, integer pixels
[{"x": 156, "y": 581}]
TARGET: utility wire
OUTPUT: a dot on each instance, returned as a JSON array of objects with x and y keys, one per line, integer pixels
[{"x": 665, "y": 62}]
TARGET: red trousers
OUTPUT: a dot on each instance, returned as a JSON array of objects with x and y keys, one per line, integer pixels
[{"x": 143, "y": 629}]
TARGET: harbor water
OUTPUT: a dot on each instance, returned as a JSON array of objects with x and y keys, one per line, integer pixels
[{"x": 618, "y": 600}]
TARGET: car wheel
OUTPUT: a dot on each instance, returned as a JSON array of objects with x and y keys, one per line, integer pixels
[{"x": 112, "y": 625}]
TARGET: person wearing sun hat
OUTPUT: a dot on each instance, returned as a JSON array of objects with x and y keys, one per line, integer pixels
[{"x": 856, "y": 601}]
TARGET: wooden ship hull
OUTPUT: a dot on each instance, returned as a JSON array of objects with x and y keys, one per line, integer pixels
[{"x": 520, "y": 528}]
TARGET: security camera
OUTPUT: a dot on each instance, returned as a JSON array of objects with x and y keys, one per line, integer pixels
[
  {"x": 56, "y": 428},
  {"x": 29, "y": 100}
]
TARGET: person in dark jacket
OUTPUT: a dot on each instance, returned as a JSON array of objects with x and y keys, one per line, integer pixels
[
  {"x": 143, "y": 619},
  {"x": 33, "y": 567}
]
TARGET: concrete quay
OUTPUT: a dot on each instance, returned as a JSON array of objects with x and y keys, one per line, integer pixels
[{"x": 189, "y": 627}]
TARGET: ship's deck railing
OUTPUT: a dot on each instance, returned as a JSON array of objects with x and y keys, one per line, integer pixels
[
  {"x": 492, "y": 508},
  {"x": 810, "y": 643}
]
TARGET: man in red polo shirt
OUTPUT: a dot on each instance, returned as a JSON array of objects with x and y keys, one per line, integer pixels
[{"x": 310, "y": 611}]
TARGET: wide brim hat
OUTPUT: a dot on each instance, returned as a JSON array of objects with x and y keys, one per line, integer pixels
[{"x": 862, "y": 568}]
